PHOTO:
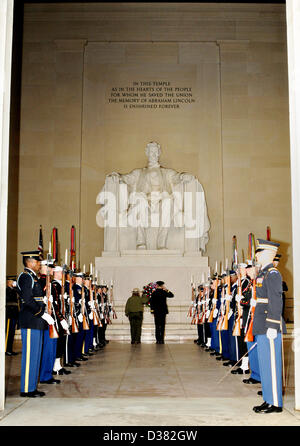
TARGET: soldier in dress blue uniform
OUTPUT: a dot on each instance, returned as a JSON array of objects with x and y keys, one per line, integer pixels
[
  {"x": 33, "y": 322},
  {"x": 49, "y": 344},
  {"x": 88, "y": 339},
  {"x": 232, "y": 340},
  {"x": 79, "y": 298},
  {"x": 268, "y": 326}
]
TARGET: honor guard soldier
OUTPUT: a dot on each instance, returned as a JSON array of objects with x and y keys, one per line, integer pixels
[
  {"x": 33, "y": 322},
  {"x": 12, "y": 314},
  {"x": 79, "y": 301},
  {"x": 268, "y": 326},
  {"x": 49, "y": 344},
  {"x": 88, "y": 339},
  {"x": 284, "y": 285},
  {"x": 63, "y": 327},
  {"x": 232, "y": 340},
  {"x": 244, "y": 306}
]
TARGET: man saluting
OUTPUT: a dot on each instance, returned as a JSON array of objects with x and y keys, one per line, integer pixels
[{"x": 159, "y": 307}]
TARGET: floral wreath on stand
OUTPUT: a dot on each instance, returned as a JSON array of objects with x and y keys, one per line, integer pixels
[{"x": 148, "y": 290}]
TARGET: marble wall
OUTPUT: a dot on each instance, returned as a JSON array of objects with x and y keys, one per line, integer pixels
[{"x": 234, "y": 138}]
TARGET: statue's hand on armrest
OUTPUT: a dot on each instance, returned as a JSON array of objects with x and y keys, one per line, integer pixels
[
  {"x": 115, "y": 176},
  {"x": 186, "y": 178}
]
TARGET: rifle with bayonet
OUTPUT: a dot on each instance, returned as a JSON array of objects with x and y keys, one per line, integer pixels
[
  {"x": 237, "y": 325},
  {"x": 214, "y": 301},
  {"x": 53, "y": 330},
  {"x": 74, "y": 323}
]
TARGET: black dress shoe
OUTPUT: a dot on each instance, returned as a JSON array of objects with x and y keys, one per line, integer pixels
[
  {"x": 11, "y": 353},
  {"x": 229, "y": 364},
  {"x": 106, "y": 341},
  {"x": 214, "y": 353},
  {"x": 196, "y": 341},
  {"x": 259, "y": 393},
  {"x": 51, "y": 381},
  {"x": 202, "y": 345},
  {"x": 132, "y": 342},
  {"x": 38, "y": 393},
  {"x": 237, "y": 371},
  {"x": 267, "y": 408},
  {"x": 61, "y": 371},
  {"x": 28, "y": 394},
  {"x": 250, "y": 381},
  {"x": 82, "y": 358}
]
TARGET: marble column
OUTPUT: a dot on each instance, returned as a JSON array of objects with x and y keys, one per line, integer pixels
[
  {"x": 293, "y": 39},
  {"x": 6, "y": 28}
]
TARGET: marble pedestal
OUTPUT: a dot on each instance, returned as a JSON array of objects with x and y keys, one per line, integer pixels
[{"x": 131, "y": 269}]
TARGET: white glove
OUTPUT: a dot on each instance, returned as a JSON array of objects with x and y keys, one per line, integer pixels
[
  {"x": 51, "y": 299},
  {"x": 80, "y": 318},
  {"x": 230, "y": 314},
  {"x": 216, "y": 311},
  {"x": 45, "y": 300},
  {"x": 64, "y": 324},
  {"x": 228, "y": 297},
  {"x": 238, "y": 298},
  {"x": 49, "y": 319},
  {"x": 65, "y": 296},
  {"x": 214, "y": 301},
  {"x": 207, "y": 314},
  {"x": 271, "y": 333},
  {"x": 91, "y": 315},
  {"x": 70, "y": 320},
  {"x": 253, "y": 302}
]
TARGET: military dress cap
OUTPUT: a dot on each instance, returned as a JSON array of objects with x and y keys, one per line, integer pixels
[
  {"x": 232, "y": 272},
  {"x": 50, "y": 264},
  {"x": 36, "y": 255},
  {"x": 266, "y": 244},
  {"x": 57, "y": 268},
  {"x": 160, "y": 283},
  {"x": 78, "y": 274}
]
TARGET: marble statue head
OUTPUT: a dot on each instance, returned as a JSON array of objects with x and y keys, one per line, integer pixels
[{"x": 153, "y": 152}]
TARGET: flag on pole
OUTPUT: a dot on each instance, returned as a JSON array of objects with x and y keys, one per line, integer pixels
[
  {"x": 54, "y": 244},
  {"x": 40, "y": 245},
  {"x": 73, "y": 248}
]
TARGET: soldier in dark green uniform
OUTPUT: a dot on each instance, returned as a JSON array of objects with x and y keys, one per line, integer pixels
[{"x": 134, "y": 310}]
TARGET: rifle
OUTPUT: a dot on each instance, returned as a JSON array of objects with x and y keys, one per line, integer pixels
[
  {"x": 237, "y": 326},
  {"x": 228, "y": 293},
  {"x": 190, "y": 312},
  {"x": 63, "y": 296},
  {"x": 222, "y": 313},
  {"x": 53, "y": 333},
  {"x": 74, "y": 323},
  {"x": 211, "y": 316},
  {"x": 96, "y": 319},
  {"x": 85, "y": 324},
  {"x": 111, "y": 300},
  {"x": 249, "y": 334},
  {"x": 204, "y": 305}
]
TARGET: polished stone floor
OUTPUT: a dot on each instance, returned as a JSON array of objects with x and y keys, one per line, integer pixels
[{"x": 175, "y": 384}]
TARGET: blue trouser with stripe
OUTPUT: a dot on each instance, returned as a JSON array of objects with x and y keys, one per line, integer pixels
[
  {"x": 215, "y": 343},
  {"x": 80, "y": 338},
  {"x": 270, "y": 367},
  {"x": 253, "y": 361},
  {"x": 32, "y": 341},
  {"x": 232, "y": 341},
  {"x": 88, "y": 340},
  {"x": 48, "y": 357},
  {"x": 225, "y": 343},
  {"x": 70, "y": 348}
]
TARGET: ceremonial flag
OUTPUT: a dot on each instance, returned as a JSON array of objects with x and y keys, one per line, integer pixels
[
  {"x": 54, "y": 244},
  {"x": 40, "y": 245},
  {"x": 234, "y": 251},
  {"x": 73, "y": 248},
  {"x": 268, "y": 233}
]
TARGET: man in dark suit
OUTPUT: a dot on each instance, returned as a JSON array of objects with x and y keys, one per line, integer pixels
[{"x": 159, "y": 307}]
